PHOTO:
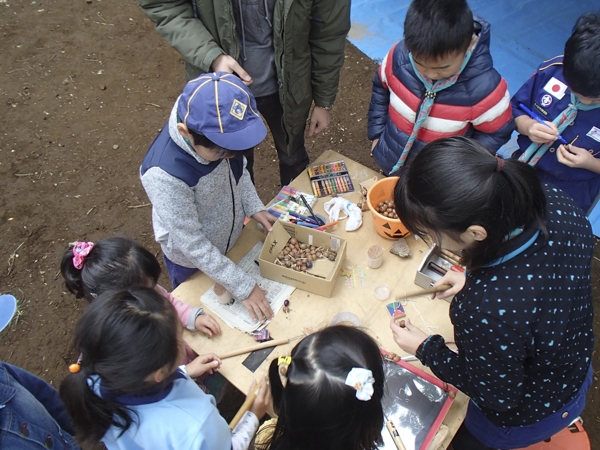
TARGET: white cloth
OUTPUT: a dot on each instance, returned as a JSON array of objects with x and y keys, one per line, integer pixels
[{"x": 338, "y": 205}]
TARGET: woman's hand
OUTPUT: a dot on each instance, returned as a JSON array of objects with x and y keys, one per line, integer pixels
[
  {"x": 203, "y": 364},
  {"x": 207, "y": 324},
  {"x": 226, "y": 63},
  {"x": 263, "y": 398},
  {"x": 319, "y": 120},
  {"x": 455, "y": 279},
  {"x": 409, "y": 337}
]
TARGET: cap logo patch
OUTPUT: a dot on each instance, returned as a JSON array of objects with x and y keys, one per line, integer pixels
[{"x": 238, "y": 110}]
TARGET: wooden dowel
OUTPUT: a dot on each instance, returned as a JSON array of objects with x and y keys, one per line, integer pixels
[
  {"x": 245, "y": 406},
  {"x": 451, "y": 256},
  {"x": 433, "y": 290},
  {"x": 395, "y": 435},
  {"x": 252, "y": 348}
]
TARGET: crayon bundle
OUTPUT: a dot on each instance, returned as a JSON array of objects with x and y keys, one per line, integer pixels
[
  {"x": 330, "y": 178},
  {"x": 287, "y": 204}
]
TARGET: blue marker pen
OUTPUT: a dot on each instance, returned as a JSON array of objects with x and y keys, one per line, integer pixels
[{"x": 537, "y": 118}]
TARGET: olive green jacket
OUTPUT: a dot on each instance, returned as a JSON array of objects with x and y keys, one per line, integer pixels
[{"x": 308, "y": 36}]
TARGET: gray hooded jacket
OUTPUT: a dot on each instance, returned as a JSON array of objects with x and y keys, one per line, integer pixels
[{"x": 196, "y": 225}]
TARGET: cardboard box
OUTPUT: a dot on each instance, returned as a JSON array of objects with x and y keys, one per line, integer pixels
[
  {"x": 327, "y": 271},
  {"x": 426, "y": 277}
]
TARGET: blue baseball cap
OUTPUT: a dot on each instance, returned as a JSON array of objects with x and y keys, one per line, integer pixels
[{"x": 222, "y": 108}]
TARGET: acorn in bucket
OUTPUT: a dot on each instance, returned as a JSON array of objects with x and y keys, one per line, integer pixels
[{"x": 380, "y": 202}]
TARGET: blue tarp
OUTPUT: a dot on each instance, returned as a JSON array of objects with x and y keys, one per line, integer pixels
[{"x": 524, "y": 33}]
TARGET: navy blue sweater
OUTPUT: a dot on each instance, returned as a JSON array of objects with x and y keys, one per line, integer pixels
[{"x": 524, "y": 327}]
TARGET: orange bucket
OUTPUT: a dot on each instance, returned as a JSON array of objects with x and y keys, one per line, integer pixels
[{"x": 386, "y": 226}]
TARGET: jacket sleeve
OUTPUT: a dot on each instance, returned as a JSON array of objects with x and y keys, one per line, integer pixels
[
  {"x": 524, "y": 95},
  {"x": 489, "y": 369},
  {"x": 250, "y": 201},
  {"x": 175, "y": 22},
  {"x": 330, "y": 24},
  {"x": 378, "y": 114},
  {"x": 493, "y": 123},
  {"x": 187, "y": 314},
  {"x": 173, "y": 202},
  {"x": 43, "y": 393}
]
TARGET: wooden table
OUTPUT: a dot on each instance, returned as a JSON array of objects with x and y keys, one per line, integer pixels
[{"x": 310, "y": 312}]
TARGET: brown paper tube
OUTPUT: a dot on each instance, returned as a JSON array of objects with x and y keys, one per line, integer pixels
[{"x": 245, "y": 406}]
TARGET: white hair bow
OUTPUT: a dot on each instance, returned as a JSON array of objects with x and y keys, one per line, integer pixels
[{"x": 362, "y": 380}]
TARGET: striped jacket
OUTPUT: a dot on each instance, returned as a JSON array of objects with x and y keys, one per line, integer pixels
[{"x": 477, "y": 106}]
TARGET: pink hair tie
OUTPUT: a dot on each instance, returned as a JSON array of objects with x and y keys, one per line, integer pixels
[{"x": 80, "y": 251}]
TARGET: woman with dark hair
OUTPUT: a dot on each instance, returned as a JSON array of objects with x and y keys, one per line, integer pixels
[
  {"x": 128, "y": 390},
  {"x": 522, "y": 313},
  {"x": 332, "y": 394}
]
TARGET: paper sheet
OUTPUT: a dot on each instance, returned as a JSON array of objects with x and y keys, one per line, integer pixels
[{"x": 236, "y": 315}]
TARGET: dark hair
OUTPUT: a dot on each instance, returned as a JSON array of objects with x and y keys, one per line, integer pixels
[
  {"x": 454, "y": 183},
  {"x": 581, "y": 63},
  {"x": 114, "y": 263},
  {"x": 220, "y": 152},
  {"x": 436, "y": 28},
  {"x": 123, "y": 338},
  {"x": 316, "y": 408}
]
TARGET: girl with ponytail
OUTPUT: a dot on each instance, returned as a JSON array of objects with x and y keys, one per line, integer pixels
[
  {"x": 522, "y": 311},
  {"x": 128, "y": 390},
  {"x": 332, "y": 394},
  {"x": 118, "y": 263}
]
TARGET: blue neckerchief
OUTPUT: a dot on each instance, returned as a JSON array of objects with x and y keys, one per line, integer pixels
[
  {"x": 515, "y": 252},
  {"x": 150, "y": 395},
  {"x": 534, "y": 152}
]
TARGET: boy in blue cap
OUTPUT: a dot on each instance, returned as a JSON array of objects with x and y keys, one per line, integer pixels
[
  {"x": 195, "y": 176},
  {"x": 565, "y": 92}
]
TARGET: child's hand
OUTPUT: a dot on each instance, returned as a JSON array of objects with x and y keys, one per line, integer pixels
[
  {"x": 203, "y": 364},
  {"x": 541, "y": 134},
  {"x": 207, "y": 324},
  {"x": 455, "y": 279},
  {"x": 266, "y": 219},
  {"x": 263, "y": 398},
  {"x": 572, "y": 156},
  {"x": 409, "y": 337},
  {"x": 537, "y": 132},
  {"x": 258, "y": 305}
]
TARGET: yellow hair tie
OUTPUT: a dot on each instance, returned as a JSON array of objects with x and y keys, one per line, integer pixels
[{"x": 284, "y": 360}]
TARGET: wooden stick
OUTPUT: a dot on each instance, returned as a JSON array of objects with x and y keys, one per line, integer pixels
[
  {"x": 252, "y": 348},
  {"x": 451, "y": 256},
  {"x": 245, "y": 406},
  {"x": 433, "y": 290},
  {"x": 395, "y": 435}
]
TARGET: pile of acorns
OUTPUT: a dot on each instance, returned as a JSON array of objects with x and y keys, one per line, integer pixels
[
  {"x": 299, "y": 256},
  {"x": 386, "y": 209}
]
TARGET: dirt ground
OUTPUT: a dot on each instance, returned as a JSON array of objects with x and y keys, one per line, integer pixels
[{"x": 85, "y": 87}]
